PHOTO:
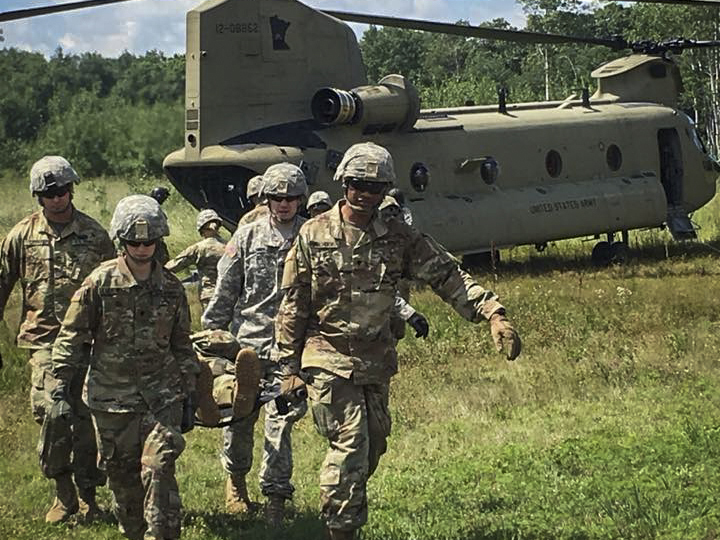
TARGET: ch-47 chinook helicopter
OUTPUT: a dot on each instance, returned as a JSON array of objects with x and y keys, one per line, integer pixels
[{"x": 269, "y": 81}]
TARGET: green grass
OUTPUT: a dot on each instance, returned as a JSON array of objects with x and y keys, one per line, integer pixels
[{"x": 607, "y": 427}]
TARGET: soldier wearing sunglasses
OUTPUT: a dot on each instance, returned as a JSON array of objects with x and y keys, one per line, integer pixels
[
  {"x": 50, "y": 253},
  {"x": 142, "y": 370},
  {"x": 339, "y": 288},
  {"x": 246, "y": 298}
]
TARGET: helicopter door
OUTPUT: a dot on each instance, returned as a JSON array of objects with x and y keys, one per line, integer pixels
[{"x": 671, "y": 177}]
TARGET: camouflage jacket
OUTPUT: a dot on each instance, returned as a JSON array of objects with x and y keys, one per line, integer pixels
[
  {"x": 337, "y": 299},
  {"x": 204, "y": 255},
  {"x": 141, "y": 356},
  {"x": 249, "y": 275},
  {"x": 260, "y": 211},
  {"x": 50, "y": 268}
]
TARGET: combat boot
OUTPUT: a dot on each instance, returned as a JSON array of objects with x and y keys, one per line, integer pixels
[
  {"x": 247, "y": 382},
  {"x": 66, "y": 501},
  {"x": 88, "y": 505},
  {"x": 275, "y": 511},
  {"x": 208, "y": 411},
  {"x": 337, "y": 534},
  {"x": 237, "y": 500}
]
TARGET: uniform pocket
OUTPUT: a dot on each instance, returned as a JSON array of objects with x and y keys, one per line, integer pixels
[
  {"x": 117, "y": 313},
  {"x": 330, "y": 476}
]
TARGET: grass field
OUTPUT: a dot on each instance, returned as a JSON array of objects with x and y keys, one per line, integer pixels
[{"x": 607, "y": 427}]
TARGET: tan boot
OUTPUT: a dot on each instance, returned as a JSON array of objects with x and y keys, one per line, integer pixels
[
  {"x": 88, "y": 505},
  {"x": 247, "y": 382},
  {"x": 237, "y": 500},
  {"x": 208, "y": 411},
  {"x": 66, "y": 500},
  {"x": 337, "y": 534},
  {"x": 275, "y": 511}
]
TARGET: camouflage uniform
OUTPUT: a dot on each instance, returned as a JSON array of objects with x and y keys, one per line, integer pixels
[
  {"x": 260, "y": 211},
  {"x": 334, "y": 323},
  {"x": 249, "y": 277},
  {"x": 50, "y": 267},
  {"x": 249, "y": 274},
  {"x": 204, "y": 255},
  {"x": 142, "y": 367}
]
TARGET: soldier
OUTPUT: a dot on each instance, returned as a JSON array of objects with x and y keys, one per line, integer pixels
[
  {"x": 162, "y": 254},
  {"x": 399, "y": 197},
  {"x": 249, "y": 275},
  {"x": 257, "y": 198},
  {"x": 318, "y": 202},
  {"x": 339, "y": 287},
  {"x": 160, "y": 194},
  {"x": 51, "y": 252},
  {"x": 204, "y": 255},
  {"x": 142, "y": 368}
]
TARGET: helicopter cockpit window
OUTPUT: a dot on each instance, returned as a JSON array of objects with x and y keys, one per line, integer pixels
[
  {"x": 697, "y": 141},
  {"x": 553, "y": 163},
  {"x": 613, "y": 156},
  {"x": 419, "y": 177}
]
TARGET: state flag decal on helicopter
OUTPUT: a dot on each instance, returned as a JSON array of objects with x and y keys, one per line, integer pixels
[{"x": 278, "y": 28}]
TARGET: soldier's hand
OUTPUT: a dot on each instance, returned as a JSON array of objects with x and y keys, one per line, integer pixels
[
  {"x": 505, "y": 337},
  {"x": 420, "y": 325},
  {"x": 293, "y": 388},
  {"x": 60, "y": 407}
]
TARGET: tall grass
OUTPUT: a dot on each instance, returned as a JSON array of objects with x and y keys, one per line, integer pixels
[{"x": 607, "y": 426}]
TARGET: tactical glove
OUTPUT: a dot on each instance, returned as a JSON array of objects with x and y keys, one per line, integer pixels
[
  {"x": 188, "y": 414},
  {"x": 293, "y": 388},
  {"x": 60, "y": 407},
  {"x": 504, "y": 335},
  {"x": 420, "y": 325}
]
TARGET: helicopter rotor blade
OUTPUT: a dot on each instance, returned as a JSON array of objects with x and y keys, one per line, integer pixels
[
  {"x": 473, "y": 31},
  {"x": 699, "y": 3},
  {"x": 57, "y": 8}
]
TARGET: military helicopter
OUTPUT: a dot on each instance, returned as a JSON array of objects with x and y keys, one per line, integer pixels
[{"x": 269, "y": 81}]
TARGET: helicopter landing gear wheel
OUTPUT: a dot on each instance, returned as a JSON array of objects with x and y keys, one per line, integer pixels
[
  {"x": 487, "y": 260},
  {"x": 602, "y": 254},
  {"x": 619, "y": 253}
]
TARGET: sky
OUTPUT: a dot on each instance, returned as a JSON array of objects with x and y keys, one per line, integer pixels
[{"x": 137, "y": 26}]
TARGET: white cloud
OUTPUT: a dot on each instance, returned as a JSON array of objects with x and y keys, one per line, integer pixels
[{"x": 141, "y": 25}]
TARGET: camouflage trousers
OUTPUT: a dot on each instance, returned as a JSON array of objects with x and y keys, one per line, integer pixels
[
  {"x": 58, "y": 457},
  {"x": 277, "y": 462},
  {"x": 138, "y": 452},
  {"x": 356, "y": 422}
]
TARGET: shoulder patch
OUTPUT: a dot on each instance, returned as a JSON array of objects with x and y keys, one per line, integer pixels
[{"x": 231, "y": 249}]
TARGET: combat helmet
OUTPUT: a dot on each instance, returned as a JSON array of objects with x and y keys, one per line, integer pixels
[
  {"x": 285, "y": 180},
  {"x": 319, "y": 197},
  {"x": 160, "y": 194},
  {"x": 206, "y": 216},
  {"x": 368, "y": 162},
  {"x": 49, "y": 172},
  {"x": 254, "y": 187},
  {"x": 138, "y": 218}
]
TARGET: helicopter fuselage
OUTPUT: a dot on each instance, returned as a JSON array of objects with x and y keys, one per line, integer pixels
[{"x": 558, "y": 169}]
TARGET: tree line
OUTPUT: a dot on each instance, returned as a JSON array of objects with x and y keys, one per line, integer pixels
[{"x": 123, "y": 115}]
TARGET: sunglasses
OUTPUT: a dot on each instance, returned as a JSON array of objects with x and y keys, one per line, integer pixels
[
  {"x": 136, "y": 243},
  {"x": 54, "y": 191},
  {"x": 374, "y": 188},
  {"x": 281, "y": 198}
]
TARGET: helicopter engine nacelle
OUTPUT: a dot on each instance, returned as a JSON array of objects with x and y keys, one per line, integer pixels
[{"x": 391, "y": 105}]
